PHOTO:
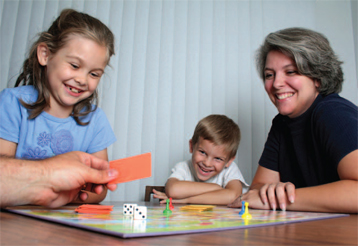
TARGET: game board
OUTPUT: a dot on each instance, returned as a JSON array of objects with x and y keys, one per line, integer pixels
[{"x": 180, "y": 222}]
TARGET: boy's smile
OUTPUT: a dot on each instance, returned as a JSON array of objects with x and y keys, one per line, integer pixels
[{"x": 208, "y": 159}]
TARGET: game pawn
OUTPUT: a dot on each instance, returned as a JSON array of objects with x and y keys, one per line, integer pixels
[
  {"x": 171, "y": 207},
  {"x": 167, "y": 210},
  {"x": 246, "y": 215},
  {"x": 242, "y": 208}
]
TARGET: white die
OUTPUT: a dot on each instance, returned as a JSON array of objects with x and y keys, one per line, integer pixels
[
  {"x": 128, "y": 208},
  {"x": 139, "y": 225},
  {"x": 140, "y": 213}
]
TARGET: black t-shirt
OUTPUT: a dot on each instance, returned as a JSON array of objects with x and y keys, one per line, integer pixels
[{"x": 306, "y": 150}]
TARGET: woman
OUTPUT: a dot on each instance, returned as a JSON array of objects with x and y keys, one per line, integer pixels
[{"x": 310, "y": 159}]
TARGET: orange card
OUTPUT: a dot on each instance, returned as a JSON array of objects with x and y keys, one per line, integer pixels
[{"x": 132, "y": 168}]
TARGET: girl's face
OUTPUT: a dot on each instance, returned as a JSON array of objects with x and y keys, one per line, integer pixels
[
  {"x": 73, "y": 72},
  {"x": 208, "y": 159},
  {"x": 290, "y": 92}
]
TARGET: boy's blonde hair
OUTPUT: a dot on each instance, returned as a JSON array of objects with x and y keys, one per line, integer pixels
[{"x": 220, "y": 130}]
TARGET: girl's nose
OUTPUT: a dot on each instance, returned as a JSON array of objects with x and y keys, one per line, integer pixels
[{"x": 81, "y": 79}]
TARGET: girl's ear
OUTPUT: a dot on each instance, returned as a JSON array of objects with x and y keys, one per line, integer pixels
[{"x": 43, "y": 53}]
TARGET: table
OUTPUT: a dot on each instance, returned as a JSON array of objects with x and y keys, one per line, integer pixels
[{"x": 20, "y": 230}]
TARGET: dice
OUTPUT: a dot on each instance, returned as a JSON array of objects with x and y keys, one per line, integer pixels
[
  {"x": 128, "y": 209},
  {"x": 140, "y": 213}
]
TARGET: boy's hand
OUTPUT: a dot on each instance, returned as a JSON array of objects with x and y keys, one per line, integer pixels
[{"x": 159, "y": 195}]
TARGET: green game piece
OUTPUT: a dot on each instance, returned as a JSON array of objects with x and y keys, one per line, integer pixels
[{"x": 167, "y": 210}]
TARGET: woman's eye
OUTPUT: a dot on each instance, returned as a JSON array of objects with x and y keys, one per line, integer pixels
[
  {"x": 268, "y": 75},
  {"x": 291, "y": 72}
]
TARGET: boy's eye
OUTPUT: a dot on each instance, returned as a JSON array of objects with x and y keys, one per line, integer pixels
[
  {"x": 95, "y": 75},
  {"x": 201, "y": 152},
  {"x": 74, "y": 65}
]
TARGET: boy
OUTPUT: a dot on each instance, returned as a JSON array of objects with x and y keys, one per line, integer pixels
[{"x": 211, "y": 176}]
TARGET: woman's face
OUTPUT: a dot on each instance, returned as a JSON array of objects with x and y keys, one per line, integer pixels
[{"x": 290, "y": 92}]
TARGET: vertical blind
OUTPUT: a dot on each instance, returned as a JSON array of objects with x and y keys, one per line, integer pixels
[{"x": 179, "y": 61}]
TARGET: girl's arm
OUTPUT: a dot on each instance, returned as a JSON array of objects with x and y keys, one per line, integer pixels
[
  {"x": 340, "y": 196},
  {"x": 7, "y": 148},
  {"x": 88, "y": 195},
  {"x": 202, "y": 193}
]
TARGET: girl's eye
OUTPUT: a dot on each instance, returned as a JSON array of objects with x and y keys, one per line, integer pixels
[{"x": 74, "y": 65}]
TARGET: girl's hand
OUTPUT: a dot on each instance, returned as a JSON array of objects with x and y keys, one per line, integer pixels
[{"x": 278, "y": 195}]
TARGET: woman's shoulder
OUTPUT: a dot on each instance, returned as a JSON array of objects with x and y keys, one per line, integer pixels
[{"x": 334, "y": 104}]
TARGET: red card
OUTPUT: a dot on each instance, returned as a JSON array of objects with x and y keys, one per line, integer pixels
[{"x": 132, "y": 168}]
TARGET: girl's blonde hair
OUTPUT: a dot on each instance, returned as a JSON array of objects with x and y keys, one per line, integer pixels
[{"x": 70, "y": 22}]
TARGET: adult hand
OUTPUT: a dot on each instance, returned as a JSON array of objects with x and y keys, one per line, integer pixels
[
  {"x": 252, "y": 197},
  {"x": 269, "y": 196},
  {"x": 67, "y": 175},
  {"x": 52, "y": 182},
  {"x": 278, "y": 195}
]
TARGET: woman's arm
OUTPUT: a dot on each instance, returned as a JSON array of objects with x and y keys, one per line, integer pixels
[{"x": 340, "y": 196}]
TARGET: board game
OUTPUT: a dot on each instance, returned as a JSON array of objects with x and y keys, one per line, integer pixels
[{"x": 157, "y": 224}]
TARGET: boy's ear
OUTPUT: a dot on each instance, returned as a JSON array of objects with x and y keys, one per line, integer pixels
[
  {"x": 43, "y": 53},
  {"x": 190, "y": 146},
  {"x": 230, "y": 161}
]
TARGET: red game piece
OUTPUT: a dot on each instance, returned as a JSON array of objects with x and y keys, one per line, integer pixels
[{"x": 171, "y": 207}]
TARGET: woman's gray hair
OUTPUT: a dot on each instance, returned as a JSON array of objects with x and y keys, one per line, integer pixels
[{"x": 311, "y": 52}]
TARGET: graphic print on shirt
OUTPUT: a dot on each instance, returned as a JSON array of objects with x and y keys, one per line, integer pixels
[{"x": 60, "y": 142}]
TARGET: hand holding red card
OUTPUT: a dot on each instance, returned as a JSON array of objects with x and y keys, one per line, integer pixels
[{"x": 132, "y": 168}]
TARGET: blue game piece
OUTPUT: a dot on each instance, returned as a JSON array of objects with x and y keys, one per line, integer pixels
[{"x": 242, "y": 208}]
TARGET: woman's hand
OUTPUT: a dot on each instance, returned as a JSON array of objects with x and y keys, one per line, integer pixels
[
  {"x": 269, "y": 196},
  {"x": 277, "y": 195}
]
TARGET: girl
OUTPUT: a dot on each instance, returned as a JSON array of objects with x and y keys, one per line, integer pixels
[{"x": 54, "y": 112}]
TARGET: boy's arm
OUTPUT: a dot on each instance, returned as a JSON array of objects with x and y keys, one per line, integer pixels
[
  {"x": 213, "y": 193},
  {"x": 179, "y": 189}
]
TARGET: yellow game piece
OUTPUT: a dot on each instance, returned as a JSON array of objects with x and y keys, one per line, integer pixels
[{"x": 246, "y": 215}]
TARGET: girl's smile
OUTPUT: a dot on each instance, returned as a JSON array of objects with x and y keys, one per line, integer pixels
[{"x": 73, "y": 72}]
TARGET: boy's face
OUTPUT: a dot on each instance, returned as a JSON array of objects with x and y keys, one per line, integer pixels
[{"x": 208, "y": 159}]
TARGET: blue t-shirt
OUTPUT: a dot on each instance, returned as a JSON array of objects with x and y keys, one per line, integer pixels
[{"x": 46, "y": 135}]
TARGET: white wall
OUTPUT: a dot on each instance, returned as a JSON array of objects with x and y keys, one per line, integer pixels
[{"x": 178, "y": 61}]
